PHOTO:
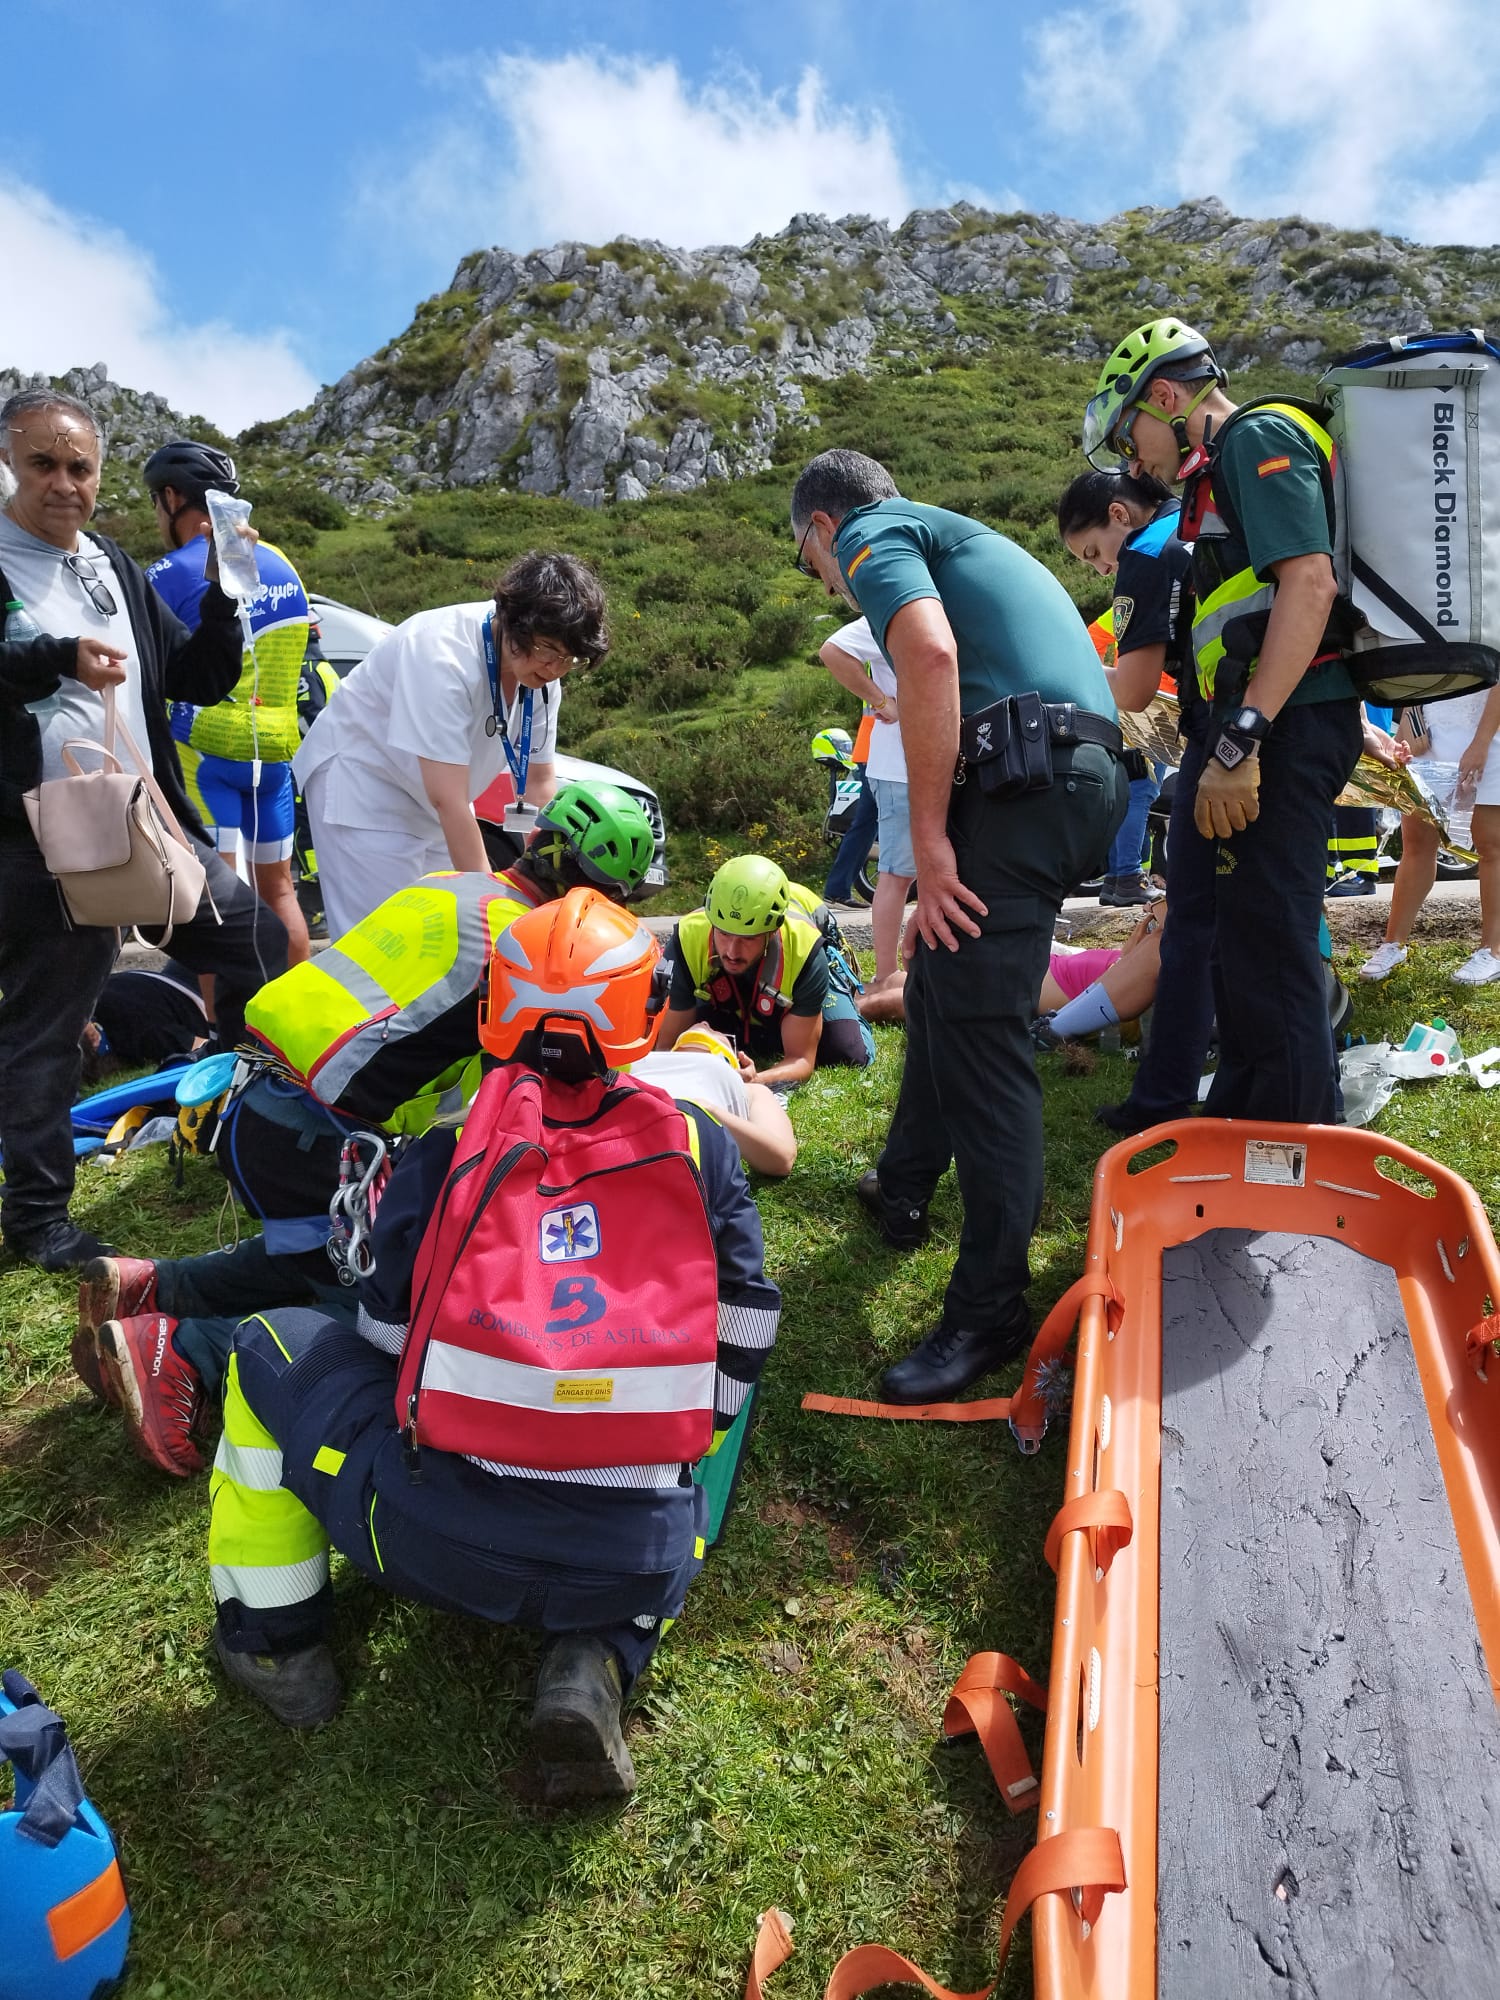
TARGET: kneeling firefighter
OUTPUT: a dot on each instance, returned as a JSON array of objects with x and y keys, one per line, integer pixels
[
  {"x": 765, "y": 961},
  {"x": 376, "y": 1036},
  {"x": 568, "y": 1309}
]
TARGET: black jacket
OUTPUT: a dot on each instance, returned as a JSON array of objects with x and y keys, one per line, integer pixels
[{"x": 175, "y": 665}]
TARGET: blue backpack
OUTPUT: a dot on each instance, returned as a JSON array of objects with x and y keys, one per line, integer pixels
[{"x": 64, "y": 1919}]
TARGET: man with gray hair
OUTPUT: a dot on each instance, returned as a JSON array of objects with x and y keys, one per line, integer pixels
[
  {"x": 1015, "y": 788},
  {"x": 102, "y": 626}
]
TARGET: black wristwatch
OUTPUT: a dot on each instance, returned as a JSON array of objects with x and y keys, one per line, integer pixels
[{"x": 1240, "y": 736}]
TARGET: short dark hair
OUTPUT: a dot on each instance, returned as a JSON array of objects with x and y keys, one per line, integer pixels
[
  {"x": 838, "y": 481},
  {"x": 1087, "y": 500},
  {"x": 546, "y": 595},
  {"x": 30, "y": 402}
]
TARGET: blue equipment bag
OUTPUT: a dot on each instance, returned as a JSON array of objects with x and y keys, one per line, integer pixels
[{"x": 64, "y": 1919}]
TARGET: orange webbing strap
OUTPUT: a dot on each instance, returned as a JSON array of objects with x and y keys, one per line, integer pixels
[
  {"x": 773, "y": 1947},
  {"x": 1107, "y": 1510},
  {"x": 1485, "y": 1335},
  {"x": 983, "y": 1411},
  {"x": 977, "y": 1705},
  {"x": 1088, "y": 1860},
  {"x": 1028, "y": 1409}
]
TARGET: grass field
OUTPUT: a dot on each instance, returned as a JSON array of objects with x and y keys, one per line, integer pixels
[{"x": 786, "y": 1737}]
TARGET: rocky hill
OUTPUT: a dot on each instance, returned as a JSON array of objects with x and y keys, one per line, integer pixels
[{"x": 604, "y": 373}]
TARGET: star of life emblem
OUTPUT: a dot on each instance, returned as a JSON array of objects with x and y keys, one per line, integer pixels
[{"x": 569, "y": 1235}]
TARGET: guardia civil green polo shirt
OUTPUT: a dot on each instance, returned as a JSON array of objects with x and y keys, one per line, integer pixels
[
  {"x": 1015, "y": 626},
  {"x": 1274, "y": 475}
]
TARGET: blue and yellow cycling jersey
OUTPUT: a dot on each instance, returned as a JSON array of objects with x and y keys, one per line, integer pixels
[{"x": 260, "y": 718}]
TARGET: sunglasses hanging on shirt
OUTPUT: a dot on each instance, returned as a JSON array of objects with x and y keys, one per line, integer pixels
[{"x": 95, "y": 588}]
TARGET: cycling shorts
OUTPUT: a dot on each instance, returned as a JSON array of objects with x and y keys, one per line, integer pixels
[{"x": 232, "y": 803}]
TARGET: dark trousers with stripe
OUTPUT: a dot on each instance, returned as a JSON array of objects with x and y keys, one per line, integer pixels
[
  {"x": 1353, "y": 846},
  {"x": 547, "y": 1554}
]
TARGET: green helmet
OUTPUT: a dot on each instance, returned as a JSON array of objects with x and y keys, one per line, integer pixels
[
  {"x": 1161, "y": 346},
  {"x": 748, "y": 897},
  {"x": 601, "y": 828},
  {"x": 833, "y": 746}
]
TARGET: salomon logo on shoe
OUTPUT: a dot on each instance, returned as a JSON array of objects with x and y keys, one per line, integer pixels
[{"x": 163, "y": 1335}]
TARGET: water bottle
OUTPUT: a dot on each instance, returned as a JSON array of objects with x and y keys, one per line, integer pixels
[
  {"x": 20, "y": 627},
  {"x": 238, "y": 574}
]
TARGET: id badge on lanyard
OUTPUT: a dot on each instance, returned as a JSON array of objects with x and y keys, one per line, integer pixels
[{"x": 495, "y": 721}]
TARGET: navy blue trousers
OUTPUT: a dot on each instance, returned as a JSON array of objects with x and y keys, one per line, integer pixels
[{"x": 547, "y": 1554}]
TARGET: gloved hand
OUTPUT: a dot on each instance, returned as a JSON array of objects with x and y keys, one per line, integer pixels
[{"x": 1226, "y": 801}]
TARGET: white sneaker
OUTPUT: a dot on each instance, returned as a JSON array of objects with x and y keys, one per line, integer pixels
[
  {"x": 1480, "y": 970},
  {"x": 1382, "y": 963}
]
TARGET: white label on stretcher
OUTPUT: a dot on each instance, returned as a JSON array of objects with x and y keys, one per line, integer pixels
[{"x": 1275, "y": 1162}]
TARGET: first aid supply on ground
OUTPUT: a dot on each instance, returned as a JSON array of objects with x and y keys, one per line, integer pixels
[{"x": 1435, "y": 1041}]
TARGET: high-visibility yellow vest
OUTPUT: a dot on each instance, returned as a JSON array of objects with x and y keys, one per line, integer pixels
[
  {"x": 421, "y": 952},
  {"x": 1233, "y": 607},
  {"x": 787, "y": 952}
]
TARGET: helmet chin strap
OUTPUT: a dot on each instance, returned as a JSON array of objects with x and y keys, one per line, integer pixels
[{"x": 1185, "y": 445}]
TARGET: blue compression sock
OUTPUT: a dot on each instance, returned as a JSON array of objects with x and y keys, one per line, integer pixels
[{"x": 1091, "y": 1011}]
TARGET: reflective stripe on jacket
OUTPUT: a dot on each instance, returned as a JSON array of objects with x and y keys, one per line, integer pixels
[
  {"x": 400, "y": 969},
  {"x": 1234, "y": 606}
]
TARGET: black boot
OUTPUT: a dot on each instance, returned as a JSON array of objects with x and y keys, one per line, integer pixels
[
  {"x": 575, "y": 1722},
  {"x": 55, "y": 1246},
  {"x": 951, "y": 1357},
  {"x": 302, "y": 1689},
  {"x": 1127, "y": 1119},
  {"x": 903, "y": 1227}
]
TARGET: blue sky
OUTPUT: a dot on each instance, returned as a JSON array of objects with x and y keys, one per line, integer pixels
[{"x": 234, "y": 201}]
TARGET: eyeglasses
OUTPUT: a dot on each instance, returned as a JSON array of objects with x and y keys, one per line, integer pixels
[
  {"x": 803, "y": 566},
  {"x": 1122, "y": 442},
  {"x": 99, "y": 593}
]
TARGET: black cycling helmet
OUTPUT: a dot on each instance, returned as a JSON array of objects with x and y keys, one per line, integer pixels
[{"x": 190, "y": 469}]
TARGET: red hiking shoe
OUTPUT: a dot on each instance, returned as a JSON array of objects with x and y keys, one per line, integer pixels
[
  {"x": 108, "y": 1288},
  {"x": 160, "y": 1394}
]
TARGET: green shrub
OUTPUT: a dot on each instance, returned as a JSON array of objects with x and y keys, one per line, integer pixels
[{"x": 778, "y": 629}]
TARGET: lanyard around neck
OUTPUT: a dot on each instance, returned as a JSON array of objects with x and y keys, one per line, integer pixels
[{"x": 495, "y": 721}]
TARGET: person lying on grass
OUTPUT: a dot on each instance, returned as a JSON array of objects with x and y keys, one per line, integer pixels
[{"x": 1083, "y": 992}]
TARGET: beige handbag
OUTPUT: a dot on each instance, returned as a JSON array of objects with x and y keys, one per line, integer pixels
[{"x": 112, "y": 840}]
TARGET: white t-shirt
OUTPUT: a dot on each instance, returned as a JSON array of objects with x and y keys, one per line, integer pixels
[
  {"x": 697, "y": 1076},
  {"x": 57, "y": 600},
  {"x": 422, "y": 691},
  {"x": 887, "y": 759}
]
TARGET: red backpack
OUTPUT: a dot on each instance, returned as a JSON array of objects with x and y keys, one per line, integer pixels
[{"x": 565, "y": 1300}]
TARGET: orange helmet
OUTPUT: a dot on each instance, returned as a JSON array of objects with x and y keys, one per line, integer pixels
[{"x": 575, "y": 987}]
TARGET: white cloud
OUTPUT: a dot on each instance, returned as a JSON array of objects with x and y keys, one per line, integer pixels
[
  {"x": 591, "y": 145},
  {"x": 78, "y": 292},
  {"x": 1348, "y": 114}
]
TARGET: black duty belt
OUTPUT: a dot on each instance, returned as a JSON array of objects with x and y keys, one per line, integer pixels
[{"x": 1009, "y": 745}]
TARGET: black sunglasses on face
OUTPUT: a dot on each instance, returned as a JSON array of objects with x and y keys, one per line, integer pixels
[
  {"x": 99, "y": 594},
  {"x": 803, "y": 566}
]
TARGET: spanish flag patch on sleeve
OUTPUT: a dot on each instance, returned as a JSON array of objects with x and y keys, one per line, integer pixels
[
  {"x": 849, "y": 572},
  {"x": 1269, "y": 465}
]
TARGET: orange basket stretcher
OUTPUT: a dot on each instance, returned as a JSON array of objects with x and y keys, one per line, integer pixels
[{"x": 1099, "y": 1941}]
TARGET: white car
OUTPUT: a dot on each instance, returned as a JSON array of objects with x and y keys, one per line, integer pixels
[{"x": 346, "y": 635}]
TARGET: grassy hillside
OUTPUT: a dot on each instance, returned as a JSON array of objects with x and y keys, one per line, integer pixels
[{"x": 712, "y": 688}]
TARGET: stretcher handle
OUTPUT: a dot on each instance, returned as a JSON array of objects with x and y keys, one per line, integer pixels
[
  {"x": 1107, "y": 1511},
  {"x": 977, "y": 1706},
  {"x": 1028, "y": 1407},
  {"x": 1086, "y": 1862}
]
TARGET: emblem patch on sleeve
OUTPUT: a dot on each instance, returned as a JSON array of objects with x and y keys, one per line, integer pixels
[
  {"x": 1269, "y": 465},
  {"x": 1124, "y": 611}
]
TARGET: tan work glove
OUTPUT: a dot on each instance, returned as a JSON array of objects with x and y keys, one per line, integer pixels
[{"x": 1227, "y": 801}]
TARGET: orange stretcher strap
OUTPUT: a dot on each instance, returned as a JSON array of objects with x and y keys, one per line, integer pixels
[
  {"x": 986, "y": 1410},
  {"x": 773, "y": 1947},
  {"x": 978, "y": 1706},
  {"x": 1028, "y": 1410},
  {"x": 1108, "y": 1511},
  {"x": 1087, "y": 1860},
  {"x": 1478, "y": 1338}
]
